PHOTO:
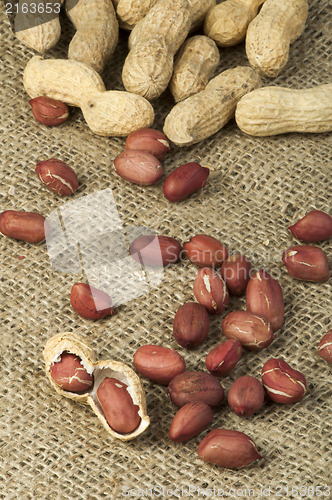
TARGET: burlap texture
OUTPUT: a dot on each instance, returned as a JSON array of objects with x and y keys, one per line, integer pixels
[{"x": 54, "y": 448}]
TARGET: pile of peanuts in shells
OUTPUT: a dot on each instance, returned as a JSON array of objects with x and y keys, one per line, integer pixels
[{"x": 162, "y": 56}]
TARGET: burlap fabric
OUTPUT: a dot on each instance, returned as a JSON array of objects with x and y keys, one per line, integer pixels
[{"x": 54, "y": 448}]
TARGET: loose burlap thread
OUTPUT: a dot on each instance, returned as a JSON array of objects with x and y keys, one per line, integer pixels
[{"x": 54, "y": 448}]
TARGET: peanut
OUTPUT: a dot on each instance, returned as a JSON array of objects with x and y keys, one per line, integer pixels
[
  {"x": 89, "y": 302},
  {"x": 307, "y": 262},
  {"x": 278, "y": 110},
  {"x": 184, "y": 181},
  {"x": 278, "y": 24},
  {"x": 313, "y": 227},
  {"x": 228, "y": 448},
  {"x": 57, "y": 176},
  {"x": 235, "y": 271},
  {"x": 224, "y": 357},
  {"x": 155, "y": 250},
  {"x": 159, "y": 364},
  {"x": 129, "y": 396},
  {"x": 107, "y": 113},
  {"x": 205, "y": 113},
  {"x": 69, "y": 373},
  {"x": 139, "y": 167},
  {"x": 191, "y": 325},
  {"x": 189, "y": 421},
  {"x": 190, "y": 387},
  {"x": 150, "y": 140},
  {"x": 130, "y": 12},
  {"x": 97, "y": 32},
  {"x": 205, "y": 251},
  {"x": 118, "y": 407},
  {"x": 210, "y": 290},
  {"x": 282, "y": 383},
  {"x": 325, "y": 347},
  {"x": 253, "y": 331},
  {"x": 227, "y": 23},
  {"x": 26, "y": 226},
  {"x": 153, "y": 42},
  {"x": 193, "y": 67},
  {"x": 49, "y": 111},
  {"x": 264, "y": 298},
  {"x": 40, "y": 32},
  {"x": 246, "y": 396}
]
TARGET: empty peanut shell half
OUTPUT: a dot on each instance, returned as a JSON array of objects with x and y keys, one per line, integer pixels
[{"x": 73, "y": 372}]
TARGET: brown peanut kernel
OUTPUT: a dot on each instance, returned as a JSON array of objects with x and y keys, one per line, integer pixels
[
  {"x": 118, "y": 407},
  {"x": 210, "y": 290},
  {"x": 205, "y": 251},
  {"x": 70, "y": 374},
  {"x": 313, "y": 227},
  {"x": 282, "y": 383},
  {"x": 306, "y": 262},
  {"x": 159, "y": 364},
  {"x": 184, "y": 181},
  {"x": 150, "y": 140},
  {"x": 325, "y": 347},
  {"x": 139, "y": 167},
  {"x": 190, "y": 420},
  {"x": 49, "y": 111},
  {"x": 89, "y": 302},
  {"x": 155, "y": 250},
  {"x": 191, "y": 325},
  {"x": 228, "y": 448},
  {"x": 223, "y": 358},
  {"x": 246, "y": 396},
  {"x": 193, "y": 386},
  {"x": 25, "y": 226},
  {"x": 57, "y": 176}
]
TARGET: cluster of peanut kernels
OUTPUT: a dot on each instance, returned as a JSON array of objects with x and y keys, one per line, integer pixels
[{"x": 197, "y": 392}]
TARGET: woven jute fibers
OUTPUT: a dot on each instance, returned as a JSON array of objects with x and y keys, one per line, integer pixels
[{"x": 54, "y": 448}]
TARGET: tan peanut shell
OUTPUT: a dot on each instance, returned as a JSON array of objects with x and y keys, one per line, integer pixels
[
  {"x": 199, "y": 9},
  {"x": 107, "y": 113},
  {"x": 41, "y": 37},
  {"x": 203, "y": 114},
  {"x": 227, "y": 22},
  {"x": 153, "y": 42},
  {"x": 277, "y": 110},
  {"x": 97, "y": 31},
  {"x": 72, "y": 343},
  {"x": 278, "y": 24},
  {"x": 193, "y": 66},
  {"x": 130, "y": 12}
]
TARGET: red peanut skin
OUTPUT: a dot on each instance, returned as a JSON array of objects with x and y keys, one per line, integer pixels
[
  {"x": 25, "y": 226},
  {"x": 155, "y": 250},
  {"x": 236, "y": 273},
  {"x": 210, "y": 290},
  {"x": 223, "y": 358},
  {"x": 159, "y": 364},
  {"x": 184, "y": 181},
  {"x": 193, "y": 386},
  {"x": 264, "y": 297},
  {"x": 283, "y": 384},
  {"x": 49, "y": 111},
  {"x": 70, "y": 375},
  {"x": 139, "y": 167},
  {"x": 205, "y": 251},
  {"x": 246, "y": 396},
  {"x": 253, "y": 331},
  {"x": 57, "y": 176},
  {"x": 89, "y": 302},
  {"x": 119, "y": 409},
  {"x": 228, "y": 448},
  {"x": 150, "y": 140},
  {"x": 325, "y": 347},
  {"x": 191, "y": 325},
  {"x": 309, "y": 263},
  {"x": 189, "y": 421},
  {"x": 313, "y": 227}
]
